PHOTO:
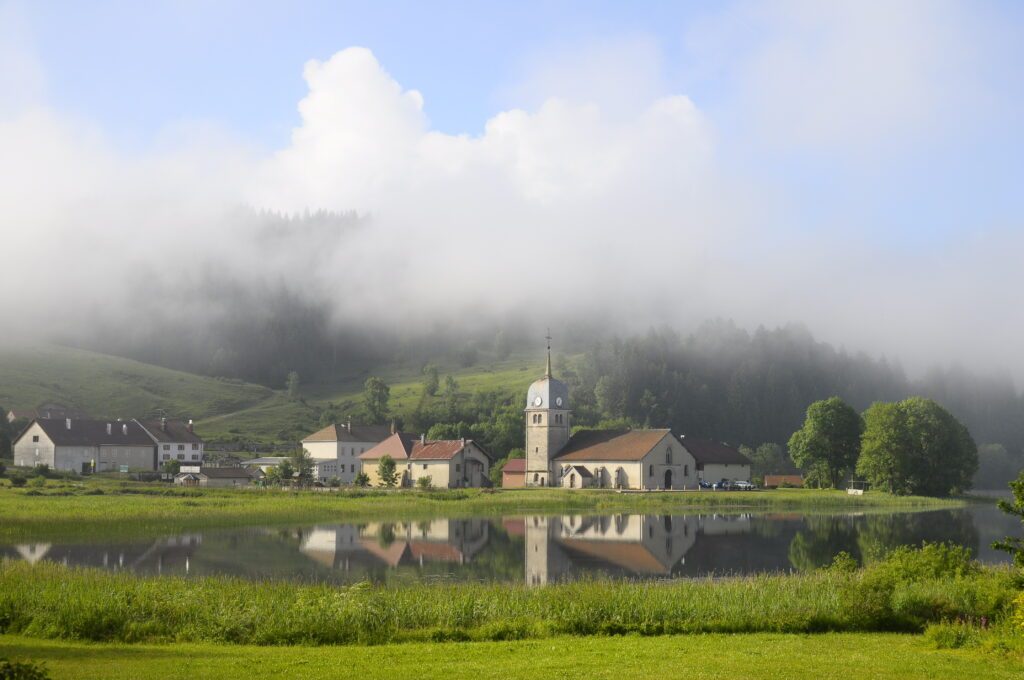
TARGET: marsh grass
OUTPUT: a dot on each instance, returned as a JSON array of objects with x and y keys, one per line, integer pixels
[
  {"x": 67, "y": 508},
  {"x": 51, "y": 601}
]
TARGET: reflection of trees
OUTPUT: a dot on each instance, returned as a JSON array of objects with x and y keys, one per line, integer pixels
[
  {"x": 387, "y": 535},
  {"x": 882, "y": 533},
  {"x": 823, "y": 537}
]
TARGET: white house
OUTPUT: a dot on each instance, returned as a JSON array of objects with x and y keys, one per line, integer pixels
[
  {"x": 342, "y": 444},
  {"x": 85, "y": 445},
  {"x": 717, "y": 461},
  {"x": 175, "y": 441},
  {"x": 449, "y": 463}
]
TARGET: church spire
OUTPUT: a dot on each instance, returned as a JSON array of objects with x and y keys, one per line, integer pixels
[{"x": 547, "y": 373}]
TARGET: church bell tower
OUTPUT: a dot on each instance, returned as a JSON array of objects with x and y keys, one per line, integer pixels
[{"x": 547, "y": 426}]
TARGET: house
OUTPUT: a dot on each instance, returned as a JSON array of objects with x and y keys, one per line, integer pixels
[
  {"x": 175, "y": 440},
  {"x": 47, "y": 411},
  {"x": 342, "y": 445},
  {"x": 513, "y": 475},
  {"x": 84, "y": 446},
  {"x": 213, "y": 476},
  {"x": 716, "y": 461},
  {"x": 449, "y": 463},
  {"x": 624, "y": 459}
]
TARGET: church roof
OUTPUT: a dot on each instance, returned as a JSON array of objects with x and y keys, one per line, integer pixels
[
  {"x": 548, "y": 390},
  {"x": 611, "y": 445}
]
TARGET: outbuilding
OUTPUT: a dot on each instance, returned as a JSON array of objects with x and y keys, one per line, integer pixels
[{"x": 513, "y": 475}]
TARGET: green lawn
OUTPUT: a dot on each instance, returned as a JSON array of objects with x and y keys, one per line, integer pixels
[
  {"x": 748, "y": 656},
  {"x": 63, "y": 509}
]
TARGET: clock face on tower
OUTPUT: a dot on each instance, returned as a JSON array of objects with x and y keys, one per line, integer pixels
[
  {"x": 538, "y": 401},
  {"x": 558, "y": 401}
]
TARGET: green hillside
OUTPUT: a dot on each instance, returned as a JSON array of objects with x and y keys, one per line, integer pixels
[
  {"x": 280, "y": 419},
  {"x": 107, "y": 386}
]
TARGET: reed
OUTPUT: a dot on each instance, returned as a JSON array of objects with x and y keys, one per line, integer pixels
[{"x": 51, "y": 601}]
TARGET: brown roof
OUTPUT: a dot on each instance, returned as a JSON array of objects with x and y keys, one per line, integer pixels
[
  {"x": 705, "y": 451},
  {"x": 404, "y": 446},
  {"x": 93, "y": 432},
  {"x": 357, "y": 433},
  {"x": 515, "y": 465},
  {"x": 170, "y": 431},
  {"x": 613, "y": 445},
  {"x": 398, "y": 446}
]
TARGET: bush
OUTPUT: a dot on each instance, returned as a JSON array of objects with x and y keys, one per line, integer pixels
[
  {"x": 3, "y": 469},
  {"x": 41, "y": 470},
  {"x": 22, "y": 670},
  {"x": 18, "y": 480},
  {"x": 362, "y": 480},
  {"x": 424, "y": 482},
  {"x": 334, "y": 482},
  {"x": 38, "y": 482}
]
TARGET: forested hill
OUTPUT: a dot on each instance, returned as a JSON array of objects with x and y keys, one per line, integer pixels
[{"x": 723, "y": 382}]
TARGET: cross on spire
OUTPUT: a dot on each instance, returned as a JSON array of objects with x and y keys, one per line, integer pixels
[{"x": 548, "y": 338}]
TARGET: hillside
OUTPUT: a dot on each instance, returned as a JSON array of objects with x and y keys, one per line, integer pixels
[{"x": 108, "y": 386}]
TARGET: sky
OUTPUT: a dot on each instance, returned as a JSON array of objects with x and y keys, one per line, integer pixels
[{"x": 854, "y": 166}]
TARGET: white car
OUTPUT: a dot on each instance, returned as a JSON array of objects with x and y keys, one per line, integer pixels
[{"x": 741, "y": 485}]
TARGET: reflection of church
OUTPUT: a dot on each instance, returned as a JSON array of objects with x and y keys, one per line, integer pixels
[{"x": 619, "y": 459}]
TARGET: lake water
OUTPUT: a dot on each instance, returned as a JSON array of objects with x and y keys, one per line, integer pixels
[{"x": 534, "y": 549}]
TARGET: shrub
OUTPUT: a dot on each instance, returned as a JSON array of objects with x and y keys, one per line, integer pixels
[
  {"x": 18, "y": 480},
  {"x": 22, "y": 670},
  {"x": 41, "y": 470},
  {"x": 38, "y": 482},
  {"x": 424, "y": 482},
  {"x": 362, "y": 480},
  {"x": 334, "y": 482}
]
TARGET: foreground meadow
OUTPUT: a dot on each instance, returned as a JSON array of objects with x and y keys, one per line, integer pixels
[
  {"x": 71, "y": 508},
  {"x": 701, "y": 657}
]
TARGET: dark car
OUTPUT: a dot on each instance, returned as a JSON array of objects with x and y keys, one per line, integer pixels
[{"x": 705, "y": 485}]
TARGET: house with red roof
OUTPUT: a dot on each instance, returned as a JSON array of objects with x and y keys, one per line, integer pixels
[{"x": 449, "y": 463}]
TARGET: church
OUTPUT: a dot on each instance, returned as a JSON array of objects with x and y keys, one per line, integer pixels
[{"x": 614, "y": 459}]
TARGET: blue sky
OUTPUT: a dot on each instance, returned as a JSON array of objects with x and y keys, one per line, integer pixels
[{"x": 799, "y": 152}]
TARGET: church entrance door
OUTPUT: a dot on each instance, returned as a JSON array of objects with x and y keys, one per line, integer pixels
[{"x": 668, "y": 479}]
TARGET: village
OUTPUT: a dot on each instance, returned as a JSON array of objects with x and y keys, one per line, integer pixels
[{"x": 382, "y": 456}]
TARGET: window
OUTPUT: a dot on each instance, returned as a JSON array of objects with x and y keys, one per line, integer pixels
[
  {"x": 181, "y": 447},
  {"x": 668, "y": 456},
  {"x": 167, "y": 447},
  {"x": 35, "y": 437},
  {"x": 650, "y": 470},
  {"x": 195, "y": 456},
  {"x": 167, "y": 456},
  {"x": 195, "y": 447},
  {"x": 686, "y": 471},
  {"x": 424, "y": 466},
  {"x": 353, "y": 468},
  {"x": 181, "y": 456},
  {"x": 458, "y": 467}
]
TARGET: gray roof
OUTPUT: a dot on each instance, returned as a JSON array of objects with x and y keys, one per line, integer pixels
[
  {"x": 549, "y": 390},
  {"x": 175, "y": 431},
  {"x": 94, "y": 432},
  {"x": 221, "y": 473},
  {"x": 708, "y": 452}
]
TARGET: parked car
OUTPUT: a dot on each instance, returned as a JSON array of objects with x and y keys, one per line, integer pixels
[
  {"x": 743, "y": 485},
  {"x": 705, "y": 485},
  {"x": 722, "y": 485}
]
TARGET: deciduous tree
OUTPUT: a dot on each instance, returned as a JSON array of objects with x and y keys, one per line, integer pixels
[
  {"x": 387, "y": 472},
  {"x": 376, "y": 395},
  {"x": 828, "y": 444}
]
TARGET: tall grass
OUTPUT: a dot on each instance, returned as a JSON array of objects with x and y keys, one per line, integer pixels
[
  {"x": 68, "y": 509},
  {"x": 51, "y": 601}
]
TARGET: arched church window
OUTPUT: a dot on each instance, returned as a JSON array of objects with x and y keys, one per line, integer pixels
[
  {"x": 650, "y": 470},
  {"x": 668, "y": 456},
  {"x": 535, "y": 477}
]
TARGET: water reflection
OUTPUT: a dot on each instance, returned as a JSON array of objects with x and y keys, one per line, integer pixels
[{"x": 534, "y": 549}]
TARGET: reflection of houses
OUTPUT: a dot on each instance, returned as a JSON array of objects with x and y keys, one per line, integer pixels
[
  {"x": 394, "y": 544},
  {"x": 620, "y": 545},
  {"x": 164, "y": 555}
]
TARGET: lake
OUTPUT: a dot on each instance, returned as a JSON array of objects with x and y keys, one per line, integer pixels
[{"x": 534, "y": 549}]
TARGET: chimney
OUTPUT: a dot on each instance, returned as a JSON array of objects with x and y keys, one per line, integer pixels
[
  {"x": 463, "y": 441},
  {"x": 108, "y": 428},
  {"x": 392, "y": 426},
  {"x": 163, "y": 424},
  {"x": 124, "y": 429},
  {"x": 423, "y": 438},
  {"x": 349, "y": 425},
  {"x": 189, "y": 424},
  {"x": 67, "y": 423}
]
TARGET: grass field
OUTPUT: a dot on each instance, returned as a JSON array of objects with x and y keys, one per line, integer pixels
[
  {"x": 67, "y": 509},
  {"x": 107, "y": 386},
  {"x": 701, "y": 657}
]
